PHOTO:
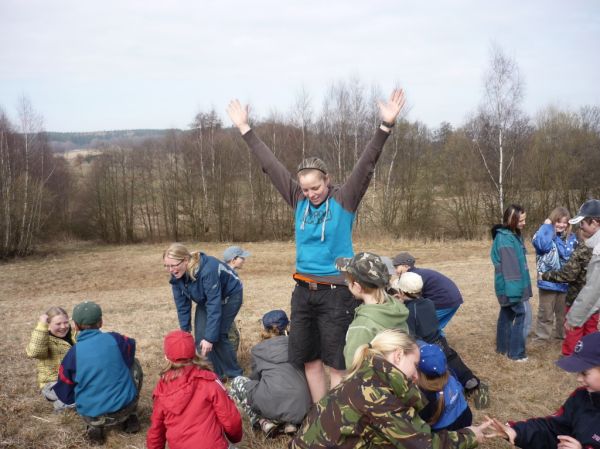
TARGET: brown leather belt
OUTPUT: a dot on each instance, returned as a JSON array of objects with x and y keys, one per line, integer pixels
[{"x": 315, "y": 286}]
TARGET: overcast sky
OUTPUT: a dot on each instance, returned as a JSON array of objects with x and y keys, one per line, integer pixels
[{"x": 118, "y": 64}]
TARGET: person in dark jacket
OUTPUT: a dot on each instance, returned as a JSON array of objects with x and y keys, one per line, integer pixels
[
  {"x": 423, "y": 325},
  {"x": 436, "y": 287},
  {"x": 511, "y": 283},
  {"x": 554, "y": 243},
  {"x": 191, "y": 407},
  {"x": 276, "y": 396},
  {"x": 217, "y": 292},
  {"x": 100, "y": 375},
  {"x": 575, "y": 425},
  {"x": 324, "y": 214}
]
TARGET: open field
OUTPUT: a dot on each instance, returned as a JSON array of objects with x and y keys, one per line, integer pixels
[{"x": 131, "y": 286}]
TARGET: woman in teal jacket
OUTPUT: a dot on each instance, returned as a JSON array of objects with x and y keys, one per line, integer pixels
[{"x": 511, "y": 282}]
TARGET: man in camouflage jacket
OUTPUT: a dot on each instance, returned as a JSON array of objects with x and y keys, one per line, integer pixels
[
  {"x": 573, "y": 272},
  {"x": 377, "y": 407}
]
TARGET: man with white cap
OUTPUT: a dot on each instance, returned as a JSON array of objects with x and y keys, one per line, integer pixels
[{"x": 587, "y": 304}]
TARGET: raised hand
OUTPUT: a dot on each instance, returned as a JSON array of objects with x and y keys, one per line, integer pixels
[
  {"x": 44, "y": 318},
  {"x": 238, "y": 114},
  {"x": 389, "y": 110}
]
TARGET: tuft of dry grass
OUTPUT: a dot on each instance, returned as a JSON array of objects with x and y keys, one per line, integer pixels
[{"x": 131, "y": 286}]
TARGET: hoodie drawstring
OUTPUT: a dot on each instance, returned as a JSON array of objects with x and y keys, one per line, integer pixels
[{"x": 324, "y": 218}]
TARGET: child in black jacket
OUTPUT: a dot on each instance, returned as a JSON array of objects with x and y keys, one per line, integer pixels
[{"x": 577, "y": 423}]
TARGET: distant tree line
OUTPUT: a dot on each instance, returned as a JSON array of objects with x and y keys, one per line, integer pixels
[{"x": 203, "y": 183}]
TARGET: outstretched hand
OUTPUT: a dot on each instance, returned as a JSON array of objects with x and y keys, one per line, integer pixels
[
  {"x": 502, "y": 431},
  {"x": 478, "y": 430},
  {"x": 238, "y": 114},
  {"x": 391, "y": 108}
]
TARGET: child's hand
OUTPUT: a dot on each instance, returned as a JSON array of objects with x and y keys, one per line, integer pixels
[
  {"x": 567, "y": 442},
  {"x": 478, "y": 430},
  {"x": 44, "y": 318}
]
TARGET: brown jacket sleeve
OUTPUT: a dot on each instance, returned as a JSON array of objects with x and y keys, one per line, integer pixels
[{"x": 280, "y": 176}]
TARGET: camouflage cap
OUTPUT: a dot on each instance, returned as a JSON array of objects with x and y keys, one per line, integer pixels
[{"x": 365, "y": 267}]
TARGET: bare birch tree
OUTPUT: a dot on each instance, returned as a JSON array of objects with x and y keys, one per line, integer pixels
[{"x": 500, "y": 114}]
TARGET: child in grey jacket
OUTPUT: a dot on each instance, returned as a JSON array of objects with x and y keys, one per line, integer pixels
[{"x": 276, "y": 396}]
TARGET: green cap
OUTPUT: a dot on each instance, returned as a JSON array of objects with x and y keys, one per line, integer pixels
[
  {"x": 367, "y": 268},
  {"x": 87, "y": 313}
]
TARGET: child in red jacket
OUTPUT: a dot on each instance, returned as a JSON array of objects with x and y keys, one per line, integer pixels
[{"x": 191, "y": 406}]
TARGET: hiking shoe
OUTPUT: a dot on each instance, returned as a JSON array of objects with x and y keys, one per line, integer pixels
[
  {"x": 95, "y": 435},
  {"x": 131, "y": 424},
  {"x": 521, "y": 360},
  {"x": 481, "y": 396},
  {"x": 471, "y": 384},
  {"x": 290, "y": 428},
  {"x": 268, "y": 427}
]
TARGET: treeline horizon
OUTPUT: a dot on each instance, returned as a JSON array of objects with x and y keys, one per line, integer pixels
[{"x": 203, "y": 184}]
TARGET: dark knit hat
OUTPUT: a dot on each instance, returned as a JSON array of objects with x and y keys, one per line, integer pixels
[
  {"x": 87, "y": 313},
  {"x": 365, "y": 267},
  {"x": 179, "y": 346}
]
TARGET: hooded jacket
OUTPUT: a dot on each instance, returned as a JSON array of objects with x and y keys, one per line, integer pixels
[
  {"x": 369, "y": 319},
  {"x": 552, "y": 253},
  {"x": 587, "y": 302},
  {"x": 277, "y": 390},
  {"x": 511, "y": 274},
  {"x": 193, "y": 411},
  {"x": 323, "y": 232},
  {"x": 376, "y": 408}
]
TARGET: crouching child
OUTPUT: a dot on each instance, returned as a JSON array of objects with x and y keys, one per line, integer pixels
[{"x": 100, "y": 375}]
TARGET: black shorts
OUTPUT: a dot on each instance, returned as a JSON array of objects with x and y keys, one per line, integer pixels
[{"x": 318, "y": 325}]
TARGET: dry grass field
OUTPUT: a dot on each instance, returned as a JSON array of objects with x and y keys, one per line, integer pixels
[{"x": 131, "y": 286}]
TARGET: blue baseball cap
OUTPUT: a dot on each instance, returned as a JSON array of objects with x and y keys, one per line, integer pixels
[
  {"x": 432, "y": 361},
  {"x": 275, "y": 318}
]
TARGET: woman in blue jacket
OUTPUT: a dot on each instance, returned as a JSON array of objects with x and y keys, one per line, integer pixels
[
  {"x": 217, "y": 292},
  {"x": 511, "y": 282},
  {"x": 553, "y": 244}
]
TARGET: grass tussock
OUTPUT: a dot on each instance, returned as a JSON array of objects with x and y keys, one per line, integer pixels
[{"x": 131, "y": 286}]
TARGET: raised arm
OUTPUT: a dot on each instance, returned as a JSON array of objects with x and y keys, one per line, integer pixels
[
  {"x": 357, "y": 183},
  {"x": 280, "y": 176}
]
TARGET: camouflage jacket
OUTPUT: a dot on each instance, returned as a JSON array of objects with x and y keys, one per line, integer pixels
[
  {"x": 375, "y": 408},
  {"x": 573, "y": 272}
]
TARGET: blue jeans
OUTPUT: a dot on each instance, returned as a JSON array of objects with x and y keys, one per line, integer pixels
[
  {"x": 510, "y": 336},
  {"x": 222, "y": 356},
  {"x": 444, "y": 316},
  {"x": 528, "y": 318}
]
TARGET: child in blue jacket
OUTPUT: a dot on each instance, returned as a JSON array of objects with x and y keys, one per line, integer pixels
[
  {"x": 554, "y": 244},
  {"x": 100, "y": 375}
]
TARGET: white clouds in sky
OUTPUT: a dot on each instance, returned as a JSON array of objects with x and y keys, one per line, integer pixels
[{"x": 90, "y": 65}]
